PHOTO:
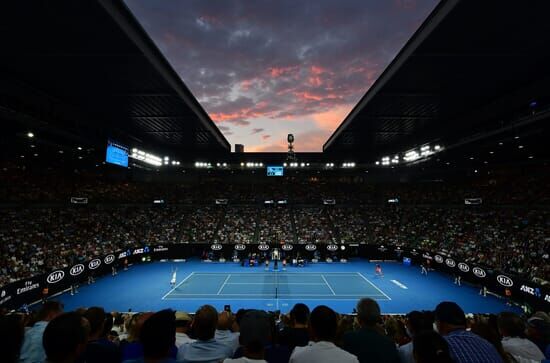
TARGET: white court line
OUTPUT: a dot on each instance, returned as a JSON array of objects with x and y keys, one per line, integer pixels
[
  {"x": 280, "y": 273},
  {"x": 175, "y": 287},
  {"x": 223, "y": 285},
  {"x": 268, "y": 299},
  {"x": 373, "y": 285},
  {"x": 326, "y": 282},
  {"x": 250, "y": 295},
  {"x": 275, "y": 283}
]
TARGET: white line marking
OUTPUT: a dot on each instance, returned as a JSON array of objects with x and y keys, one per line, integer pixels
[
  {"x": 399, "y": 284},
  {"x": 373, "y": 285},
  {"x": 292, "y": 295},
  {"x": 175, "y": 287},
  {"x": 223, "y": 285},
  {"x": 296, "y": 298},
  {"x": 275, "y": 283},
  {"x": 326, "y": 282}
]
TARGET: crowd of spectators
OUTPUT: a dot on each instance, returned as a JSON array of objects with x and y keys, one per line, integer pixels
[
  {"x": 313, "y": 225},
  {"x": 444, "y": 335},
  {"x": 275, "y": 224},
  {"x": 238, "y": 225},
  {"x": 36, "y": 240}
]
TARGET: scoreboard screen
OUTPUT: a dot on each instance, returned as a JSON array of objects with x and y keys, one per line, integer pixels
[
  {"x": 117, "y": 154},
  {"x": 275, "y": 171}
]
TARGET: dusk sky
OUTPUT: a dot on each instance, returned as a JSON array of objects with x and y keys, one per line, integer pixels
[{"x": 264, "y": 69}]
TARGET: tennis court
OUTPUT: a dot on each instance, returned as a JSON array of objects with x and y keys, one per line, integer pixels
[{"x": 275, "y": 285}]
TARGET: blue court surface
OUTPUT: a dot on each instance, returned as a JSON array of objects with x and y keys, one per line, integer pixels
[{"x": 146, "y": 287}]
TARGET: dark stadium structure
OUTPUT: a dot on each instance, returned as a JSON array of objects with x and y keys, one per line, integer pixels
[{"x": 444, "y": 160}]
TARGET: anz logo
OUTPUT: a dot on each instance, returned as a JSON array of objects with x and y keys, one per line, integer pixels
[
  {"x": 263, "y": 247},
  {"x": 463, "y": 267},
  {"x": 332, "y": 248},
  {"x": 287, "y": 247},
  {"x": 479, "y": 272},
  {"x": 450, "y": 262},
  {"x": 94, "y": 264},
  {"x": 109, "y": 259},
  {"x": 438, "y": 259},
  {"x": 311, "y": 247},
  {"x": 240, "y": 247},
  {"x": 55, "y": 277},
  {"x": 216, "y": 247},
  {"x": 77, "y": 269},
  {"x": 505, "y": 281}
]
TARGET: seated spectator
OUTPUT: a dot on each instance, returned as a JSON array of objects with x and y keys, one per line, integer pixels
[
  {"x": 224, "y": 333},
  {"x": 296, "y": 334},
  {"x": 514, "y": 340},
  {"x": 417, "y": 322},
  {"x": 323, "y": 325},
  {"x": 538, "y": 331},
  {"x": 65, "y": 338},
  {"x": 100, "y": 349},
  {"x": 183, "y": 324},
  {"x": 11, "y": 337},
  {"x": 255, "y": 335},
  {"x": 369, "y": 343},
  {"x": 205, "y": 349},
  {"x": 157, "y": 337},
  {"x": 132, "y": 348},
  {"x": 465, "y": 346},
  {"x": 32, "y": 350},
  {"x": 486, "y": 328},
  {"x": 430, "y": 347}
]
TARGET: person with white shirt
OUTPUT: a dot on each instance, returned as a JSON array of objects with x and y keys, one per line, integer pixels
[
  {"x": 323, "y": 324},
  {"x": 514, "y": 341},
  {"x": 417, "y": 322}
]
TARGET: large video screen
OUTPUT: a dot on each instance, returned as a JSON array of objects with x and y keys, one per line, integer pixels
[
  {"x": 275, "y": 171},
  {"x": 117, "y": 154}
]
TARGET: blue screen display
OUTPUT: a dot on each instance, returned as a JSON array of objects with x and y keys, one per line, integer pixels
[
  {"x": 406, "y": 261},
  {"x": 117, "y": 155},
  {"x": 275, "y": 171}
]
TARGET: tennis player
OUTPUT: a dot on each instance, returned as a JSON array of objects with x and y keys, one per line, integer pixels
[{"x": 174, "y": 278}]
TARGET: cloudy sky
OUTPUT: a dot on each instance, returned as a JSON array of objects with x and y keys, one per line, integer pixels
[{"x": 263, "y": 69}]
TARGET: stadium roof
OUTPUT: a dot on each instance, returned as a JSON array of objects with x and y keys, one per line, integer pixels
[
  {"x": 87, "y": 70},
  {"x": 473, "y": 68}
]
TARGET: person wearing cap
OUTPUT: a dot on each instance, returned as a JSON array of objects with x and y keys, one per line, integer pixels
[
  {"x": 255, "y": 335},
  {"x": 465, "y": 346},
  {"x": 538, "y": 331},
  {"x": 514, "y": 341},
  {"x": 323, "y": 325},
  {"x": 369, "y": 343},
  {"x": 183, "y": 323}
]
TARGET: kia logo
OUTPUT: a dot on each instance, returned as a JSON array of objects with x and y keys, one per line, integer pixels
[
  {"x": 263, "y": 247},
  {"x": 55, "y": 277},
  {"x": 287, "y": 247},
  {"x": 77, "y": 269},
  {"x": 109, "y": 259},
  {"x": 216, "y": 247},
  {"x": 311, "y": 247},
  {"x": 240, "y": 247},
  {"x": 332, "y": 247},
  {"x": 93, "y": 264},
  {"x": 450, "y": 262},
  {"x": 438, "y": 259},
  {"x": 463, "y": 267},
  {"x": 505, "y": 281},
  {"x": 479, "y": 272}
]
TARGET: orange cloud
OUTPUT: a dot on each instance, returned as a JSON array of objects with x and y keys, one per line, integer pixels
[
  {"x": 330, "y": 120},
  {"x": 281, "y": 71}
]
